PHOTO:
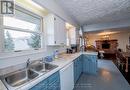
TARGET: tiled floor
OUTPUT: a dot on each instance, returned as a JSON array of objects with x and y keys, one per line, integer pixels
[{"x": 108, "y": 78}]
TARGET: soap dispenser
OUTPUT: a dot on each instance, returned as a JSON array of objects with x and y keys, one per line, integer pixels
[{"x": 56, "y": 52}]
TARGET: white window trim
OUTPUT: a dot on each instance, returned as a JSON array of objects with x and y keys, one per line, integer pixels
[
  {"x": 1, "y": 34},
  {"x": 17, "y": 54},
  {"x": 4, "y": 54},
  {"x": 22, "y": 30}
]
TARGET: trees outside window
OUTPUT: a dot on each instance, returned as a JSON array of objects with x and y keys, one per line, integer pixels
[
  {"x": 22, "y": 31},
  {"x": 9, "y": 44},
  {"x": 34, "y": 41}
]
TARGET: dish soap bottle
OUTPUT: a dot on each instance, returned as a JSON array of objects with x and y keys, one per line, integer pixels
[{"x": 56, "y": 54}]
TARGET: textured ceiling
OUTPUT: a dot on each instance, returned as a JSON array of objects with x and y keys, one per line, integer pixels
[{"x": 96, "y": 11}]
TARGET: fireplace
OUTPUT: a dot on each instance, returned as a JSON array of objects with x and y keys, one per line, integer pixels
[{"x": 106, "y": 45}]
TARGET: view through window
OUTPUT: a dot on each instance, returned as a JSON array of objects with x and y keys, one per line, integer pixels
[{"x": 22, "y": 31}]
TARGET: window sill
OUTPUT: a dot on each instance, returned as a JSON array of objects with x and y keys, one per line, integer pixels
[{"x": 22, "y": 53}]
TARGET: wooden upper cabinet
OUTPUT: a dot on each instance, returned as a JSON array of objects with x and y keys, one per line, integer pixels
[{"x": 55, "y": 30}]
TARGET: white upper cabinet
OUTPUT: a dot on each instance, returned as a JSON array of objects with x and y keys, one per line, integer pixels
[
  {"x": 72, "y": 32},
  {"x": 55, "y": 29}
]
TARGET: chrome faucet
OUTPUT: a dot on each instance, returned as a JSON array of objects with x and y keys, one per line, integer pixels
[
  {"x": 82, "y": 48},
  {"x": 28, "y": 63},
  {"x": 43, "y": 60}
]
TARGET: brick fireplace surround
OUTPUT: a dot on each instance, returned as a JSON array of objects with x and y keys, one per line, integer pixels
[{"x": 108, "y": 46}]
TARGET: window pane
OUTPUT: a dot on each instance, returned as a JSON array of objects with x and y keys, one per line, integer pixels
[
  {"x": 13, "y": 22},
  {"x": 17, "y": 40},
  {"x": 23, "y": 20}
]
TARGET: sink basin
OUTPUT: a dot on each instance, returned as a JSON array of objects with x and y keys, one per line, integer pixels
[
  {"x": 43, "y": 67},
  {"x": 20, "y": 77}
]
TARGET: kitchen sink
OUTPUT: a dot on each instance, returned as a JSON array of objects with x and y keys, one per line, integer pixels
[
  {"x": 20, "y": 77},
  {"x": 42, "y": 67}
]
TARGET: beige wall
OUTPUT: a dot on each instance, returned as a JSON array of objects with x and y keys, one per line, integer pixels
[{"x": 123, "y": 39}]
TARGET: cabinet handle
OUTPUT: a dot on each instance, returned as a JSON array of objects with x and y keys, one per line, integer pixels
[
  {"x": 55, "y": 42},
  {"x": 54, "y": 18}
]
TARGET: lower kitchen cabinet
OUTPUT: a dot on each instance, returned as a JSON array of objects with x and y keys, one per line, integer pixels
[
  {"x": 77, "y": 68},
  {"x": 90, "y": 64},
  {"x": 40, "y": 86},
  {"x": 54, "y": 86},
  {"x": 70, "y": 74},
  {"x": 51, "y": 83}
]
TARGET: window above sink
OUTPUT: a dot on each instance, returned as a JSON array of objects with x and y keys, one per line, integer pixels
[{"x": 21, "y": 31}]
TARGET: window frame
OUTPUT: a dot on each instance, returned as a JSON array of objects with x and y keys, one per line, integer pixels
[
  {"x": 1, "y": 34},
  {"x": 27, "y": 51}
]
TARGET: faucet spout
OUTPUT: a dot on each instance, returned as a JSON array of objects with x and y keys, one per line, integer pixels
[{"x": 28, "y": 63}]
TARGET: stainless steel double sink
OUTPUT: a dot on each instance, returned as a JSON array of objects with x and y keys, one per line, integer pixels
[{"x": 25, "y": 75}]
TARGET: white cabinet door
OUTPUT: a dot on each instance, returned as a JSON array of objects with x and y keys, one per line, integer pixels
[
  {"x": 49, "y": 29},
  {"x": 60, "y": 31},
  {"x": 67, "y": 77},
  {"x": 72, "y": 33},
  {"x": 56, "y": 30},
  {"x": 64, "y": 32},
  {"x": 56, "y": 33}
]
